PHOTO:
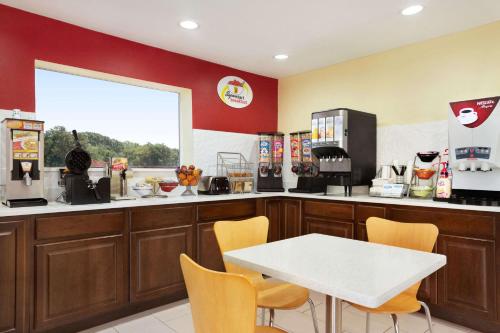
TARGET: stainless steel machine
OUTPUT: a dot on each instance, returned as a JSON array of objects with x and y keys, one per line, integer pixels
[
  {"x": 345, "y": 142},
  {"x": 21, "y": 163},
  {"x": 474, "y": 149}
]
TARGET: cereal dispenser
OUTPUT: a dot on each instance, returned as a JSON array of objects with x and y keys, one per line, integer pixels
[
  {"x": 270, "y": 173},
  {"x": 303, "y": 164}
]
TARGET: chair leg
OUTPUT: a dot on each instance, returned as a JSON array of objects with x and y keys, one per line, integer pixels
[
  {"x": 314, "y": 316},
  {"x": 367, "y": 328},
  {"x": 271, "y": 317},
  {"x": 395, "y": 322},
  {"x": 263, "y": 316},
  {"x": 428, "y": 315}
]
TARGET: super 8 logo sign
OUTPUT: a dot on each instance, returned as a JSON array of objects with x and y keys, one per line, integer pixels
[{"x": 235, "y": 92}]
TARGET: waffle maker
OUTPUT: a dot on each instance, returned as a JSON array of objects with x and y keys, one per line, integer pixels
[{"x": 79, "y": 188}]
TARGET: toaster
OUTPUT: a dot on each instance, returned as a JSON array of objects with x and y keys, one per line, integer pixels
[{"x": 214, "y": 185}]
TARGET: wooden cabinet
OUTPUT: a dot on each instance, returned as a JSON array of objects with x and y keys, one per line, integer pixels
[
  {"x": 159, "y": 235},
  {"x": 467, "y": 282},
  {"x": 77, "y": 279},
  {"x": 274, "y": 212},
  {"x": 207, "y": 250},
  {"x": 291, "y": 219},
  {"x": 328, "y": 227},
  {"x": 66, "y": 272},
  {"x": 329, "y": 218},
  {"x": 155, "y": 269},
  {"x": 13, "y": 284}
]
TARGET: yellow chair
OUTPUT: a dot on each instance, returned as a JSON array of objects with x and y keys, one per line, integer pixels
[
  {"x": 415, "y": 236},
  {"x": 221, "y": 302},
  {"x": 233, "y": 235}
]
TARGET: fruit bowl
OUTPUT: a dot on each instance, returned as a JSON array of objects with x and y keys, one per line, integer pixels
[
  {"x": 424, "y": 173},
  {"x": 168, "y": 186},
  {"x": 188, "y": 176}
]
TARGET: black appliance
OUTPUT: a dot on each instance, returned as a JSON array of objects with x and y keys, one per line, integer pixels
[
  {"x": 214, "y": 185},
  {"x": 79, "y": 188},
  {"x": 345, "y": 142}
]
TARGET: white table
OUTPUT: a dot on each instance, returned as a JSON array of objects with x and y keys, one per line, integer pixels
[{"x": 344, "y": 269}]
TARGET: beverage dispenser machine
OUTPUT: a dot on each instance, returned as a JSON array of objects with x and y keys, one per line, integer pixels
[
  {"x": 474, "y": 149},
  {"x": 345, "y": 142},
  {"x": 21, "y": 163},
  {"x": 269, "y": 178}
]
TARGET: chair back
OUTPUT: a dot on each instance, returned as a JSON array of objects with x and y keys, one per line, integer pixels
[
  {"x": 414, "y": 236},
  {"x": 234, "y": 235},
  {"x": 220, "y": 302}
]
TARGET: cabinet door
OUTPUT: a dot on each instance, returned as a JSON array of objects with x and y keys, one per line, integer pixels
[
  {"x": 290, "y": 222},
  {"x": 467, "y": 282},
  {"x": 274, "y": 214},
  {"x": 78, "y": 279},
  {"x": 208, "y": 252},
  {"x": 12, "y": 283},
  {"x": 155, "y": 269},
  {"x": 328, "y": 227}
]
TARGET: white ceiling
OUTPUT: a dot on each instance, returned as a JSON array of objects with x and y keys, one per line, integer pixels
[{"x": 246, "y": 34}]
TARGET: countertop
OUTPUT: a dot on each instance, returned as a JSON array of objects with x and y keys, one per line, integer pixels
[{"x": 55, "y": 207}]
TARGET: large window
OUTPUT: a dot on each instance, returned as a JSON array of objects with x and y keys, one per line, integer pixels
[{"x": 113, "y": 120}]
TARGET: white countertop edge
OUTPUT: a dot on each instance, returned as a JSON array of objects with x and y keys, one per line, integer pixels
[
  {"x": 54, "y": 207},
  {"x": 350, "y": 297}
]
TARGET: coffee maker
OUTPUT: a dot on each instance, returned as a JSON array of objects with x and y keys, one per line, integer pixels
[
  {"x": 305, "y": 164},
  {"x": 474, "y": 149},
  {"x": 21, "y": 165},
  {"x": 345, "y": 143},
  {"x": 270, "y": 173}
]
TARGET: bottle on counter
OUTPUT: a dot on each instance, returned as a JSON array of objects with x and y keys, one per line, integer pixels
[{"x": 443, "y": 186}]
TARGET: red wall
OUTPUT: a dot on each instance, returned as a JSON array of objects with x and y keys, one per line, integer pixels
[{"x": 25, "y": 37}]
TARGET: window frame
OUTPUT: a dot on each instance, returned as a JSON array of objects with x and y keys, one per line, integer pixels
[{"x": 185, "y": 101}]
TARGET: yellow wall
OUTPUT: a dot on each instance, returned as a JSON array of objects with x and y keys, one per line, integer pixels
[{"x": 410, "y": 84}]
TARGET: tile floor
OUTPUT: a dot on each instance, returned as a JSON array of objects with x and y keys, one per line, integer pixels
[{"x": 176, "y": 318}]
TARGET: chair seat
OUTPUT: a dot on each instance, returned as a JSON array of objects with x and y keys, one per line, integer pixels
[
  {"x": 279, "y": 295},
  {"x": 267, "y": 329},
  {"x": 403, "y": 303}
]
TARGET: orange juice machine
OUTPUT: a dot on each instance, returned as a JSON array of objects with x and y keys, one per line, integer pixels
[
  {"x": 21, "y": 164},
  {"x": 305, "y": 165},
  {"x": 270, "y": 175}
]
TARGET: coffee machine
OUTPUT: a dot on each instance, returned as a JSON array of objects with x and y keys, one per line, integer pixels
[
  {"x": 345, "y": 143},
  {"x": 474, "y": 149},
  {"x": 270, "y": 175},
  {"x": 305, "y": 164},
  {"x": 21, "y": 164}
]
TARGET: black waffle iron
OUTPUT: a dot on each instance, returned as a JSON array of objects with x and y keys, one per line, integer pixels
[{"x": 79, "y": 188}]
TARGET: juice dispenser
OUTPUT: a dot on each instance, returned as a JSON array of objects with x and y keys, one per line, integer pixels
[
  {"x": 21, "y": 164},
  {"x": 269, "y": 178}
]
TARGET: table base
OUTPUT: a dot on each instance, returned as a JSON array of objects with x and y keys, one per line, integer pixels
[{"x": 333, "y": 314}]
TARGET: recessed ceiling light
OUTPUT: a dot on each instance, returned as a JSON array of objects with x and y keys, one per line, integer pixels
[
  {"x": 189, "y": 25},
  {"x": 412, "y": 10},
  {"x": 281, "y": 56}
]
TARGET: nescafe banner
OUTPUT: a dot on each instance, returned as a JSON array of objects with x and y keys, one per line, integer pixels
[{"x": 474, "y": 112}]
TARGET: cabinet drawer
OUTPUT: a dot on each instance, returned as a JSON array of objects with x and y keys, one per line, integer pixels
[
  {"x": 161, "y": 217},
  {"x": 226, "y": 210},
  {"x": 80, "y": 225},
  {"x": 366, "y": 211},
  {"x": 329, "y": 210},
  {"x": 450, "y": 222}
]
